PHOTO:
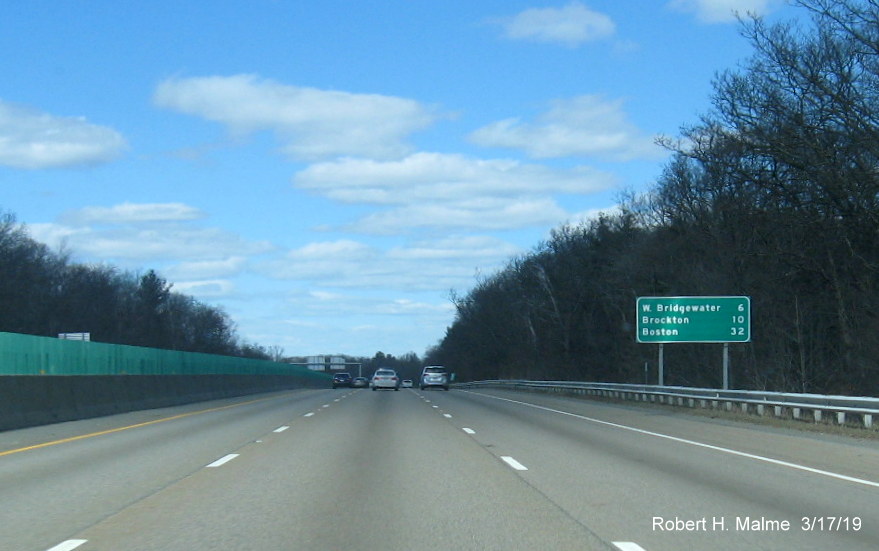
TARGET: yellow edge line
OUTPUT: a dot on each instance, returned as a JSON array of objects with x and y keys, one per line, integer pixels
[{"x": 120, "y": 429}]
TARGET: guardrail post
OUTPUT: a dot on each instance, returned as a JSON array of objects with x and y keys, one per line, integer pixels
[
  {"x": 817, "y": 414},
  {"x": 796, "y": 413},
  {"x": 840, "y": 417},
  {"x": 868, "y": 420}
]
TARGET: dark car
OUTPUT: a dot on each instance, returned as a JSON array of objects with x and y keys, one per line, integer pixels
[{"x": 341, "y": 379}]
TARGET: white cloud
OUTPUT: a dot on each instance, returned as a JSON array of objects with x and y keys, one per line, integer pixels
[
  {"x": 134, "y": 213},
  {"x": 723, "y": 11},
  {"x": 442, "y": 177},
  {"x": 211, "y": 288},
  {"x": 425, "y": 265},
  {"x": 30, "y": 139},
  {"x": 149, "y": 232},
  {"x": 344, "y": 248},
  {"x": 325, "y": 295},
  {"x": 481, "y": 214},
  {"x": 353, "y": 304},
  {"x": 342, "y": 260},
  {"x": 312, "y": 123},
  {"x": 464, "y": 247},
  {"x": 405, "y": 306},
  {"x": 582, "y": 126},
  {"x": 165, "y": 243},
  {"x": 571, "y": 25},
  {"x": 228, "y": 266},
  {"x": 433, "y": 190},
  {"x": 58, "y": 235}
]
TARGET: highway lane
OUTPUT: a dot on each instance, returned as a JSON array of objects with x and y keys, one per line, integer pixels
[
  {"x": 412, "y": 470},
  {"x": 375, "y": 470},
  {"x": 49, "y": 492},
  {"x": 622, "y": 469}
]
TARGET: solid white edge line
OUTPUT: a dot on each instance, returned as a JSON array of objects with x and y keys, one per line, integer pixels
[
  {"x": 281, "y": 429},
  {"x": 469, "y": 431},
  {"x": 628, "y": 546},
  {"x": 223, "y": 460},
  {"x": 68, "y": 545},
  {"x": 697, "y": 444},
  {"x": 513, "y": 463}
]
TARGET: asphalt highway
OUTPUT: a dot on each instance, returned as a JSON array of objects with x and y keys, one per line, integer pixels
[{"x": 412, "y": 470}]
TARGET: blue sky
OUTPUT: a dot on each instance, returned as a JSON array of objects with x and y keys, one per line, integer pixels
[{"x": 326, "y": 172}]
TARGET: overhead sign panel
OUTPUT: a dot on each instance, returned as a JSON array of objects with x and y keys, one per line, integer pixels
[{"x": 693, "y": 319}]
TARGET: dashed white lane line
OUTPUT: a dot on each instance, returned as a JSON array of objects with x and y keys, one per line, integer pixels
[
  {"x": 223, "y": 460},
  {"x": 68, "y": 545},
  {"x": 469, "y": 431},
  {"x": 513, "y": 463},
  {"x": 628, "y": 546},
  {"x": 309, "y": 414},
  {"x": 447, "y": 415},
  {"x": 281, "y": 429}
]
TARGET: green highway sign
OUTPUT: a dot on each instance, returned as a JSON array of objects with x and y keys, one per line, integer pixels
[{"x": 693, "y": 319}]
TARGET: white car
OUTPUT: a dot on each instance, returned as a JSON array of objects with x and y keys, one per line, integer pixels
[
  {"x": 434, "y": 375},
  {"x": 385, "y": 378},
  {"x": 407, "y": 383}
]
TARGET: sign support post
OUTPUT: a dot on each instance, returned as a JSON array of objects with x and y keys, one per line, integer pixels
[
  {"x": 661, "y": 378},
  {"x": 726, "y": 366}
]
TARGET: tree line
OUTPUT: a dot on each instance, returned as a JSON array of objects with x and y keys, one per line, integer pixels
[
  {"x": 772, "y": 194},
  {"x": 42, "y": 292}
]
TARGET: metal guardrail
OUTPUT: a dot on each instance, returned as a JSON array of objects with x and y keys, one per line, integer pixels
[{"x": 847, "y": 410}]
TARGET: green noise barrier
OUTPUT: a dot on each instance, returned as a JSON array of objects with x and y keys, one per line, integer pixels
[
  {"x": 31, "y": 355},
  {"x": 45, "y": 380}
]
